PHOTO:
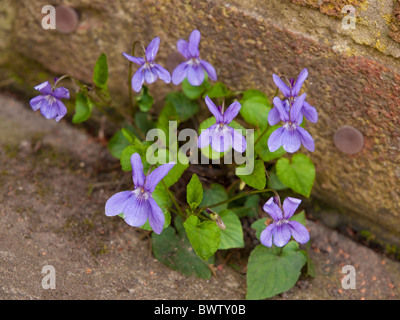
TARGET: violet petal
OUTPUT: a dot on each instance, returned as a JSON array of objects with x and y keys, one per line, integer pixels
[
  {"x": 205, "y": 137},
  {"x": 182, "y": 46},
  {"x": 61, "y": 110},
  {"x": 156, "y": 216},
  {"x": 138, "y": 60},
  {"x": 116, "y": 204},
  {"x": 49, "y": 110},
  {"x": 283, "y": 114},
  {"x": 136, "y": 212},
  {"x": 36, "y": 102},
  {"x": 238, "y": 141},
  {"x": 266, "y": 235},
  {"x": 194, "y": 41},
  {"x": 231, "y": 112},
  {"x": 273, "y": 116},
  {"x": 138, "y": 176},
  {"x": 306, "y": 139},
  {"x": 44, "y": 88},
  {"x": 309, "y": 112},
  {"x": 61, "y": 93},
  {"x": 296, "y": 108},
  {"x": 157, "y": 175},
  {"x": 138, "y": 79},
  {"x": 281, "y": 234},
  {"x": 180, "y": 73},
  {"x": 290, "y": 206},
  {"x": 152, "y": 49},
  {"x": 299, "y": 232},
  {"x": 299, "y": 82},
  {"x": 150, "y": 75},
  {"x": 275, "y": 139},
  {"x": 163, "y": 73},
  {"x": 291, "y": 140},
  {"x": 281, "y": 85},
  {"x": 209, "y": 69},
  {"x": 214, "y": 110},
  {"x": 195, "y": 75},
  {"x": 273, "y": 209},
  {"x": 221, "y": 139}
]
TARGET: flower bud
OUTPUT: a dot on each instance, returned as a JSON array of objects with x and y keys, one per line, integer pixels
[{"x": 215, "y": 217}]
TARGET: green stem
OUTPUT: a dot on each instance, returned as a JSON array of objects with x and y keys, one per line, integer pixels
[
  {"x": 81, "y": 86},
  {"x": 240, "y": 195},
  {"x": 107, "y": 101},
  {"x": 267, "y": 127},
  {"x": 261, "y": 135},
  {"x": 204, "y": 217},
  {"x": 237, "y": 93},
  {"x": 62, "y": 78},
  {"x": 101, "y": 106},
  {"x": 173, "y": 211},
  {"x": 132, "y": 106},
  {"x": 95, "y": 94},
  {"x": 121, "y": 113},
  {"x": 232, "y": 186},
  {"x": 172, "y": 197}
]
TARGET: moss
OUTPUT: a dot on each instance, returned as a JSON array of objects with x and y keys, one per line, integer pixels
[
  {"x": 43, "y": 190},
  {"x": 22, "y": 74},
  {"x": 83, "y": 229},
  {"x": 391, "y": 249},
  {"x": 367, "y": 235},
  {"x": 88, "y": 223},
  {"x": 10, "y": 150},
  {"x": 101, "y": 248},
  {"x": 54, "y": 157},
  {"x": 20, "y": 209}
]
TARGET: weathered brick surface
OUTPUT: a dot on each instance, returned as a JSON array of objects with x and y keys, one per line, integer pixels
[
  {"x": 331, "y": 7},
  {"x": 354, "y": 75}
]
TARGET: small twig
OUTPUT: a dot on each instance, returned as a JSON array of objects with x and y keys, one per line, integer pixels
[
  {"x": 228, "y": 256},
  {"x": 102, "y": 128},
  {"x": 228, "y": 190}
]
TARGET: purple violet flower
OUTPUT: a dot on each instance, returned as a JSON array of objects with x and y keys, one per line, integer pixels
[
  {"x": 295, "y": 87},
  {"x": 282, "y": 229},
  {"x": 49, "y": 101},
  {"x": 292, "y": 92},
  {"x": 194, "y": 68},
  {"x": 138, "y": 205},
  {"x": 290, "y": 135},
  {"x": 149, "y": 71},
  {"x": 220, "y": 135}
]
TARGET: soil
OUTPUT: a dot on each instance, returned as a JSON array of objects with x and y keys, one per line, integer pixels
[{"x": 54, "y": 182}]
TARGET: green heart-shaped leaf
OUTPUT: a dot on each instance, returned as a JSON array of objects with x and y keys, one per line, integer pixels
[
  {"x": 203, "y": 236},
  {"x": 194, "y": 192},
  {"x": 255, "y": 108},
  {"x": 257, "y": 178},
  {"x": 298, "y": 175},
  {"x": 271, "y": 271},
  {"x": 174, "y": 250},
  {"x": 232, "y": 235}
]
